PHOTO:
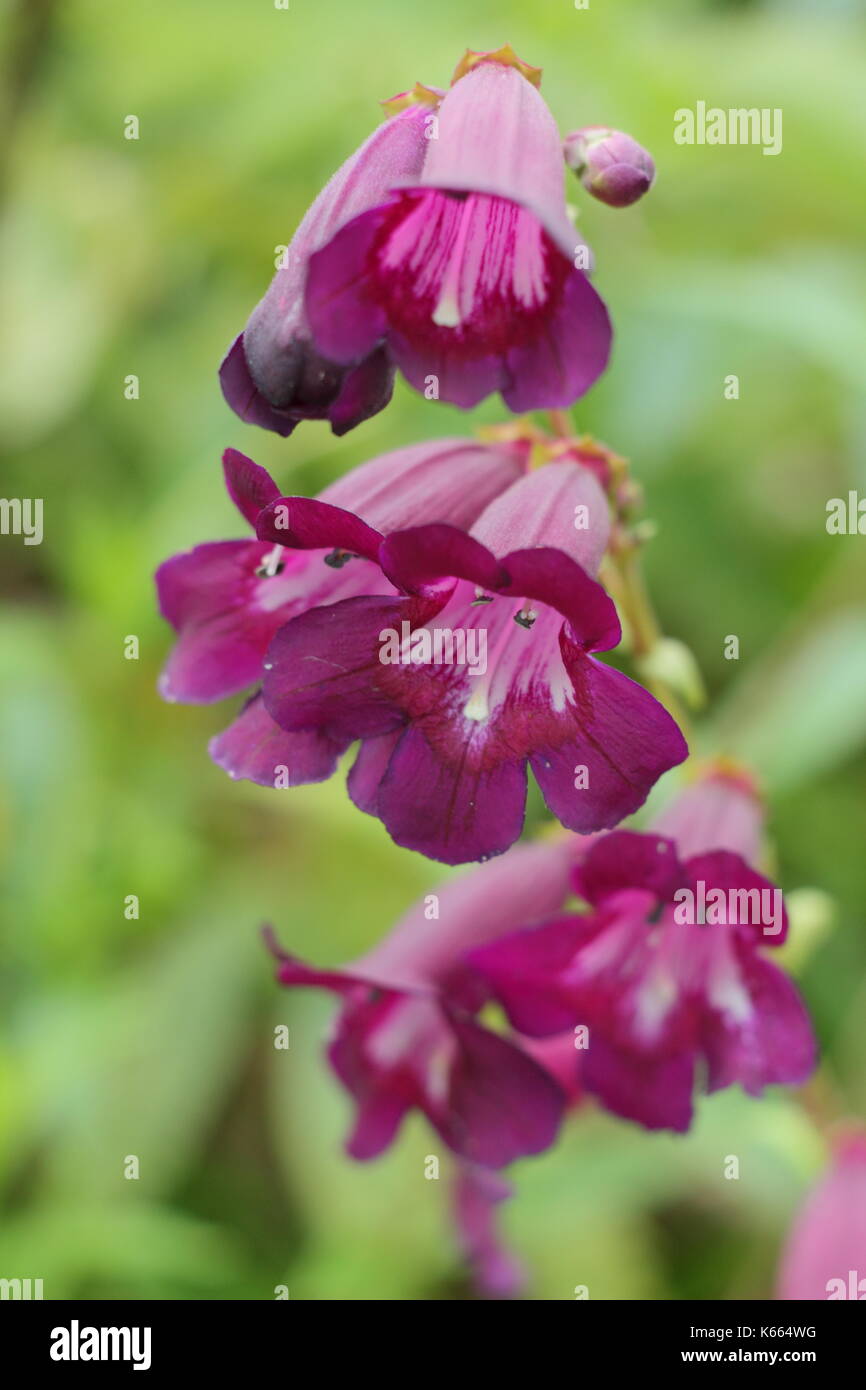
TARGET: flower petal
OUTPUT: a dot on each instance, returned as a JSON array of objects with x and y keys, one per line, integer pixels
[
  {"x": 256, "y": 748},
  {"x": 323, "y": 669},
  {"x": 556, "y": 368},
  {"x": 250, "y": 487},
  {"x": 528, "y": 973},
  {"x": 773, "y": 1045},
  {"x": 244, "y": 397},
  {"x": 453, "y": 811},
  {"x": 626, "y": 860},
  {"x": 422, "y": 556},
  {"x": 502, "y": 1105},
  {"x": 654, "y": 1092},
  {"x": 368, "y": 769},
  {"x": 560, "y": 505},
  {"x": 304, "y": 523},
  {"x": 204, "y": 594},
  {"x": 616, "y": 741}
]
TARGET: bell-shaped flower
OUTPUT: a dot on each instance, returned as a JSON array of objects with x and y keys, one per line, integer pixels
[
  {"x": 471, "y": 273},
  {"x": 481, "y": 664}
]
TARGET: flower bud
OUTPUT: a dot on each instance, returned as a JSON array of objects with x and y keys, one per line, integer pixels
[{"x": 610, "y": 165}]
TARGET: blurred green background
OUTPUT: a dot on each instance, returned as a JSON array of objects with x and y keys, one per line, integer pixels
[{"x": 154, "y": 1037}]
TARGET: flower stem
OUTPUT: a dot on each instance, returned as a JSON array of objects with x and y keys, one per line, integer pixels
[{"x": 561, "y": 423}]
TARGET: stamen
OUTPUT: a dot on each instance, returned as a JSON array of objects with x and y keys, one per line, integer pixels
[
  {"x": 338, "y": 558},
  {"x": 447, "y": 313},
  {"x": 526, "y": 616},
  {"x": 272, "y": 564}
]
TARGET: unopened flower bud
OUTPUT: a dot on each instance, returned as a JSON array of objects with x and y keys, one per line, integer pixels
[{"x": 610, "y": 165}]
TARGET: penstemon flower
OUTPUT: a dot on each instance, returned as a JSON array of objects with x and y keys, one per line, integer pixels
[
  {"x": 665, "y": 969},
  {"x": 480, "y": 664},
  {"x": 406, "y": 1036},
  {"x": 471, "y": 272},
  {"x": 227, "y": 599}
]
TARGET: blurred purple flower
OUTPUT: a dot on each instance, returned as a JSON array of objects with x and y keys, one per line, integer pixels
[
  {"x": 662, "y": 973},
  {"x": 406, "y": 1036}
]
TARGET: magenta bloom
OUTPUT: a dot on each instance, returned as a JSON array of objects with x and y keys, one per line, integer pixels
[
  {"x": 227, "y": 599},
  {"x": 666, "y": 971},
  {"x": 481, "y": 664},
  {"x": 273, "y": 375},
  {"x": 469, "y": 270},
  {"x": 611, "y": 166},
  {"x": 406, "y": 1037},
  {"x": 825, "y": 1255}
]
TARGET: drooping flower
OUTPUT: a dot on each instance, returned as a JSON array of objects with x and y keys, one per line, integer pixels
[
  {"x": 825, "y": 1254},
  {"x": 665, "y": 970},
  {"x": 227, "y": 599},
  {"x": 481, "y": 664},
  {"x": 406, "y": 1036},
  {"x": 273, "y": 375},
  {"x": 471, "y": 273},
  {"x": 611, "y": 166}
]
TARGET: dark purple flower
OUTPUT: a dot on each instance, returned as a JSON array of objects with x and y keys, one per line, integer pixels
[
  {"x": 273, "y": 375},
  {"x": 471, "y": 272},
  {"x": 406, "y": 1036},
  {"x": 481, "y": 664},
  {"x": 665, "y": 971},
  {"x": 611, "y": 166},
  {"x": 227, "y": 599}
]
